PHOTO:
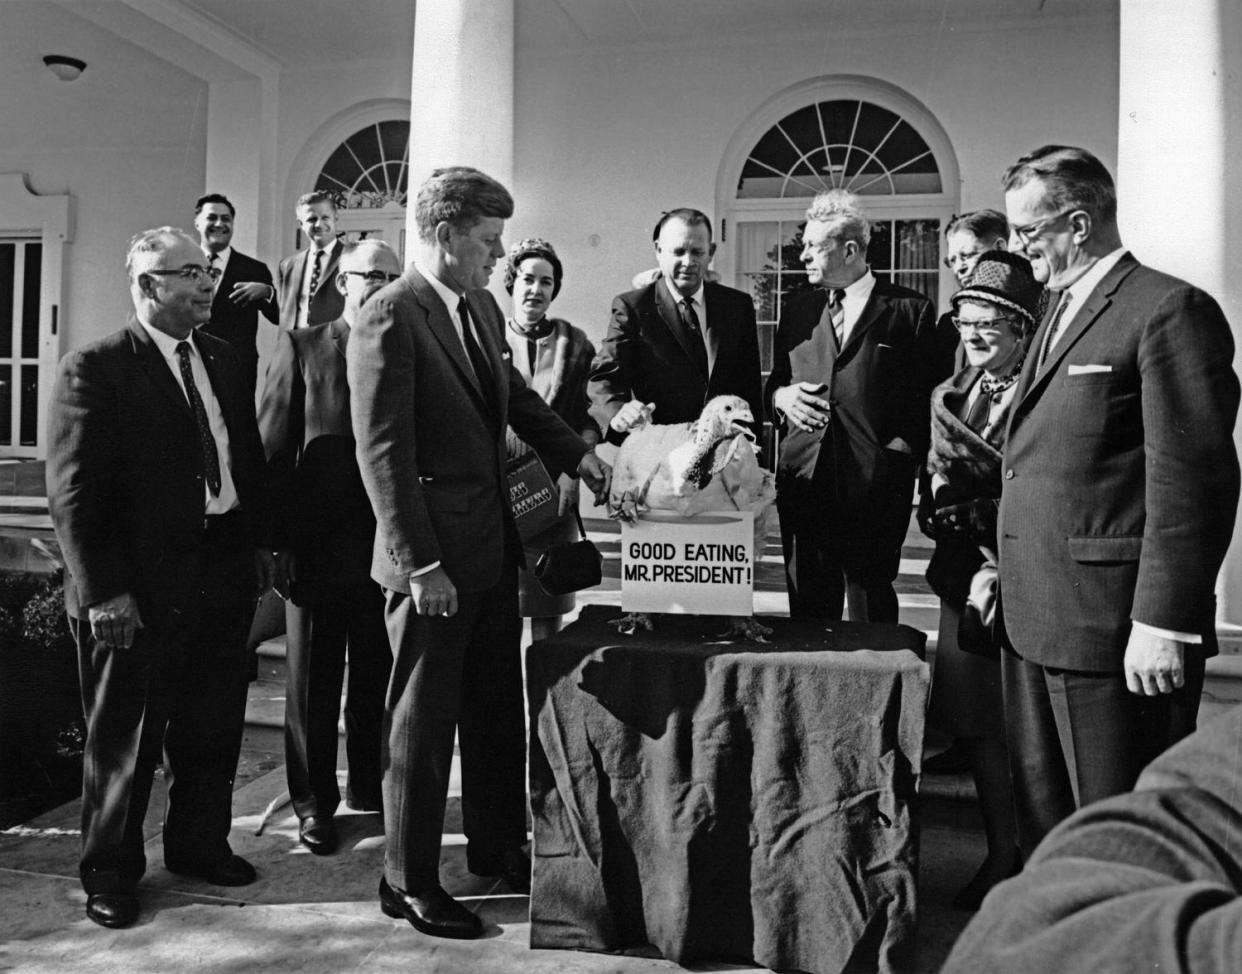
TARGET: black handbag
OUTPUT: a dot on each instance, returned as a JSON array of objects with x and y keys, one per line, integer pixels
[{"x": 571, "y": 566}]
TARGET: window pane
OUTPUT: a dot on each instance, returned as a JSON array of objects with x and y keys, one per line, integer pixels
[
  {"x": 6, "y": 406},
  {"x": 8, "y": 263},
  {"x": 30, "y": 405},
  {"x": 30, "y": 300}
]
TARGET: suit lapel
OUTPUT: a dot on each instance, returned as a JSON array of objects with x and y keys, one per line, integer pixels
[
  {"x": 328, "y": 273},
  {"x": 156, "y": 365},
  {"x": 669, "y": 314},
  {"x": 218, "y": 384},
  {"x": 1034, "y": 378},
  {"x": 441, "y": 327},
  {"x": 338, "y": 332},
  {"x": 293, "y": 283},
  {"x": 871, "y": 312},
  {"x": 715, "y": 325},
  {"x": 490, "y": 335}
]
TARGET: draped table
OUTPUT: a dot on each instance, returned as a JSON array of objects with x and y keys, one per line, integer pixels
[{"x": 723, "y": 800}]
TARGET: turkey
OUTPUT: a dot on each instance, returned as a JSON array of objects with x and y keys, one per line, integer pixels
[{"x": 711, "y": 464}]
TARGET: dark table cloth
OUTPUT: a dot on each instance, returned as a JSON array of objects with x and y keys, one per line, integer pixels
[{"x": 723, "y": 800}]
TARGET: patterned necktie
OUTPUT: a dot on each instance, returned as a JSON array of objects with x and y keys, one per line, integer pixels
[
  {"x": 690, "y": 320},
  {"x": 1054, "y": 328},
  {"x": 213, "y": 268},
  {"x": 478, "y": 361},
  {"x": 836, "y": 308},
  {"x": 206, "y": 442},
  {"x": 315, "y": 275}
]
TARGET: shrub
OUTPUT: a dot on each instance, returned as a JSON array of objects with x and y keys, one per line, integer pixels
[{"x": 44, "y": 625}]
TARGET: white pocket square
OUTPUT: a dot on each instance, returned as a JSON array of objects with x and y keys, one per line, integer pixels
[{"x": 1088, "y": 369}]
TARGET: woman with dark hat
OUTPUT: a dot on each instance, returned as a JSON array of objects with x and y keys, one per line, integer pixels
[
  {"x": 995, "y": 312},
  {"x": 554, "y": 358}
]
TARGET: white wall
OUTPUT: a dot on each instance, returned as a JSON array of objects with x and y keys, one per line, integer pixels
[
  {"x": 126, "y": 140},
  {"x": 606, "y": 139}
]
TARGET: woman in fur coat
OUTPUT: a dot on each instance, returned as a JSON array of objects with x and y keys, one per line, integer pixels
[{"x": 995, "y": 312}]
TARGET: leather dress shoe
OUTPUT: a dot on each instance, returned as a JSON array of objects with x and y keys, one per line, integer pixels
[
  {"x": 232, "y": 871},
  {"x": 318, "y": 834},
  {"x": 432, "y": 912},
  {"x": 512, "y": 865},
  {"x": 112, "y": 909}
]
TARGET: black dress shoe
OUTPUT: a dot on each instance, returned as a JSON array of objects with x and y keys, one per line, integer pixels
[
  {"x": 233, "y": 871},
  {"x": 318, "y": 834},
  {"x": 432, "y": 912},
  {"x": 112, "y": 909},
  {"x": 512, "y": 865}
]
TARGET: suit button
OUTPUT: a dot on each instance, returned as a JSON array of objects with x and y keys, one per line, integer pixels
[{"x": 1009, "y": 474}]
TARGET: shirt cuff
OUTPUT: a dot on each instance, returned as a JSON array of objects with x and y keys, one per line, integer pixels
[
  {"x": 425, "y": 569},
  {"x": 1193, "y": 638}
]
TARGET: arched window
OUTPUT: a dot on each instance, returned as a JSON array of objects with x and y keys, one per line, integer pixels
[
  {"x": 368, "y": 176},
  {"x": 855, "y": 134},
  {"x": 370, "y": 169}
]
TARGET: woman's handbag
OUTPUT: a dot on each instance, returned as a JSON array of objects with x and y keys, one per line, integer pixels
[{"x": 570, "y": 567}]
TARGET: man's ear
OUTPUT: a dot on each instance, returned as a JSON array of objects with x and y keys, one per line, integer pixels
[
  {"x": 444, "y": 231},
  {"x": 711, "y": 251},
  {"x": 340, "y": 281},
  {"x": 1080, "y": 222},
  {"x": 1000, "y": 244},
  {"x": 146, "y": 284}
]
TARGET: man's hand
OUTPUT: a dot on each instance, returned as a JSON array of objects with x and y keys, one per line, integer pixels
[
  {"x": 632, "y": 414},
  {"x": 286, "y": 573},
  {"x": 597, "y": 474},
  {"x": 115, "y": 621},
  {"x": 247, "y": 293},
  {"x": 567, "y": 489},
  {"x": 433, "y": 593},
  {"x": 801, "y": 404},
  {"x": 1153, "y": 664},
  {"x": 264, "y": 572}
]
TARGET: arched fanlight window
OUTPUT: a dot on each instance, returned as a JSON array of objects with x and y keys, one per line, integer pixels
[
  {"x": 848, "y": 144},
  {"x": 370, "y": 169}
]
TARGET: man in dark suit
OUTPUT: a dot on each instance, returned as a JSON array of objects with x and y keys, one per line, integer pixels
[
  {"x": 1120, "y": 492},
  {"x": 243, "y": 285},
  {"x": 156, "y": 490},
  {"x": 432, "y": 388},
  {"x": 324, "y": 534},
  {"x": 307, "y": 294},
  {"x": 852, "y": 372},
  {"x": 677, "y": 342}
]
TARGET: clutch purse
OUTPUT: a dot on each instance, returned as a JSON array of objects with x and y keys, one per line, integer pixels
[{"x": 571, "y": 566}]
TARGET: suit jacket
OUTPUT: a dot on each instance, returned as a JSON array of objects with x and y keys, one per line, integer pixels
[
  {"x": 235, "y": 324},
  {"x": 646, "y": 354},
  {"x": 326, "y": 304},
  {"x": 431, "y": 438},
  {"x": 125, "y": 472},
  {"x": 1121, "y": 476},
  {"x": 879, "y": 386},
  {"x": 324, "y": 517}
]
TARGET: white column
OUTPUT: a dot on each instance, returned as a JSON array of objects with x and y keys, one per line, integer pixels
[
  {"x": 1179, "y": 182},
  {"x": 461, "y": 91}
]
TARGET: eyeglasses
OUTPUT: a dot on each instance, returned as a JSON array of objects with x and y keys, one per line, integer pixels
[
  {"x": 984, "y": 326},
  {"x": 1030, "y": 231},
  {"x": 954, "y": 259},
  {"x": 374, "y": 277},
  {"x": 195, "y": 273}
]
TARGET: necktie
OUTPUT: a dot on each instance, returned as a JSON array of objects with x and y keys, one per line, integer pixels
[
  {"x": 213, "y": 266},
  {"x": 315, "y": 275},
  {"x": 836, "y": 308},
  {"x": 206, "y": 442},
  {"x": 478, "y": 361},
  {"x": 1054, "y": 328},
  {"x": 691, "y": 322}
]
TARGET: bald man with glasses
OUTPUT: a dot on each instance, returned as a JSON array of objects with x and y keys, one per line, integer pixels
[
  {"x": 158, "y": 496},
  {"x": 324, "y": 533}
]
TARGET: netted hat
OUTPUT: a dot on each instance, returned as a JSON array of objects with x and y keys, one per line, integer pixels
[{"x": 1004, "y": 279}]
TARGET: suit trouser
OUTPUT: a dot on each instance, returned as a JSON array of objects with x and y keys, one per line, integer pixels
[
  {"x": 349, "y": 613},
  {"x": 179, "y": 690},
  {"x": 1075, "y": 738},
  {"x": 461, "y": 673}
]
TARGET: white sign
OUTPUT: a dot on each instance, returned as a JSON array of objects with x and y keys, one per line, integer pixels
[{"x": 701, "y": 565}]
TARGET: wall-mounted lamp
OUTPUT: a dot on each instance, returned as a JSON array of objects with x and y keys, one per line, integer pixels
[{"x": 64, "y": 67}]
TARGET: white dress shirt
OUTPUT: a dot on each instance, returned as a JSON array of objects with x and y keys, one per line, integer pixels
[
  {"x": 856, "y": 297},
  {"x": 167, "y": 345}
]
